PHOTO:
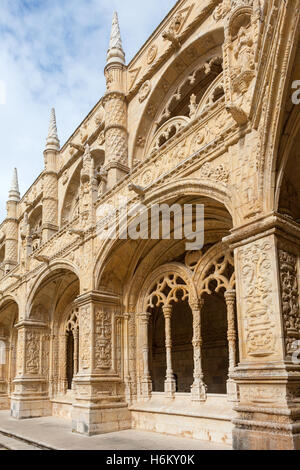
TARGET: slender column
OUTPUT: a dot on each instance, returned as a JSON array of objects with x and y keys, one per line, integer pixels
[
  {"x": 65, "y": 363},
  {"x": 198, "y": 389},
  {"x": 126, "y": 357},
  {"x": 170, "y": 383},
  {"x": 146, "y": 379},
  {"x": 76, "y": 342},
  {"x": 10, "y": 378},
  {"x": 232, "y": 389}
]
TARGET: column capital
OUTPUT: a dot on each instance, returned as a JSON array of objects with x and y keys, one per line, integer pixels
[
  {"x": 97, "y": 297},
  {"x": 196, "y": 304},
  {"x": 167, "y": 311},
  {"x": 267, "y": 224},
  {"x": 230, "y": 295},
  {"x": 145, "y": 317}
]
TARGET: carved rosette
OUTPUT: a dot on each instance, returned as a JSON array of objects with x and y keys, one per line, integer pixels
[{"x": 290, "y": 300}]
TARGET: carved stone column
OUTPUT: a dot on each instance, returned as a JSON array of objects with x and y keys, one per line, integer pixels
[
  {"x": 100, "y": 405},
  {"x": 198, "y": 389},
  {"x": 267, "y": 376},
  {"x": 126, "y": 317},
  {"x": 31, "y": 388},
  {"x": 232, "y": 390},
  {"x": 146, "y": 382},
  {"x": 76, "y": 346},
  {"x": 4, "y": 382},
  {"x": 170, "y": 383}
]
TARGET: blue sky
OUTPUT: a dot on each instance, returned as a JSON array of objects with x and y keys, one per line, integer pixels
[{"x": 52, "y": 53}]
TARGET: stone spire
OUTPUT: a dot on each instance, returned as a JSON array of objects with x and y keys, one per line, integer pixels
[
  {"x": 14, "y": 193},
  {"x": 52, "y": 142},
  {"x": 115, "y": 51}
]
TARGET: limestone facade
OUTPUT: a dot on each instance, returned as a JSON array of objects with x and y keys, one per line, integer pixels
[{"x": 120, "y": 333}]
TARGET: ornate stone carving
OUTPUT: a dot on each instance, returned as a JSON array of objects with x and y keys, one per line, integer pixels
[
  {"x": 166, "y": 290},
  {"x": 144, "y": 91},
  {"x": 219, "y": 173},
  {"x": 103, "y": 339},
  {"x": 290, "y": 299},
  {"x": 85, "y": 337},
  {"x": 152, "y": 53},
  {"x": 32, "y": 354},
  {"x": 239, "y": 63},
  {"x": 256, "y": 272}
]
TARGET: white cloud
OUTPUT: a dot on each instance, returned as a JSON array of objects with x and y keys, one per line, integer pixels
[{"x": 53, "y": 54}]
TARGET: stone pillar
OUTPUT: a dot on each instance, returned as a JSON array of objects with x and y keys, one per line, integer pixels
[
  {"x": 232, "y": 390},
  {"x": 50, "y": 182},
  {"x": 76, "y": 347},
  {"x": 4, "y": 355},
  {"x": 146, "y": 382},
  {"x": 267, "y": 376},
  {"x": 114, "y": 102},
  {"x": 99, "y": 405},
  {"x": 30, "y": 398},
  {"x": 170, "y": 383},
  {"x": 198, "y": 389}
]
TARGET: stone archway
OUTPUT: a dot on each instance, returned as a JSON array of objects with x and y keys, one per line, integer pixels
[
  {"x": 9, "y": 313},
  {"x": 41, "y": 357},
  {"x": 214, "y": 278}
]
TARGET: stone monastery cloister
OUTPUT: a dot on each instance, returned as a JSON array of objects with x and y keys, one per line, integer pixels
[{"x": 114, "y": 334}]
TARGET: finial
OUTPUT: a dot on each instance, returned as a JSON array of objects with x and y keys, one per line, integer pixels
[
  {"x": 14, "y": 193},
  {"x": 115, "y": 51},
  {"x": 52, "y": 142}
]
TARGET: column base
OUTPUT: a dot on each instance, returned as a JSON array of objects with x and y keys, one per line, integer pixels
[
  {"x": 170, "y": 387},
  {"x": 30, "y": 399},
  {"x": 4, "y": 402},
  {"x": 198, "y": 391},
  {"x": 265, "y": 431},
  {"x": 232, "y": 391},
  {"x": 30, "y": 408},
  {"x": 146, "y": 388},
  {"x": 100, "y": 419}
]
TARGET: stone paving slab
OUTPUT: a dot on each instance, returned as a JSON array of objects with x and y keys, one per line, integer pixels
[
  {"x": 55, "y": 433},
  {"x": 10, "y": 443}
]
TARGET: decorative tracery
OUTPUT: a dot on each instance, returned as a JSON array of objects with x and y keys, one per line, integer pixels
[
  {"x": 218, "y": 273},
  {"x": 167, "y": 290}
]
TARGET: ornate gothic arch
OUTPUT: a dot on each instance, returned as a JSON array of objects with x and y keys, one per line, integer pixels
[
  {"x": 164, "y": 284},
  {"x": 189, "y": 187},
  {"x": 186, "y": 64}
]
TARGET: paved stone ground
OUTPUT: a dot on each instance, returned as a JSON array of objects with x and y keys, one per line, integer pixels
[{"x": 55, "y": 433}]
